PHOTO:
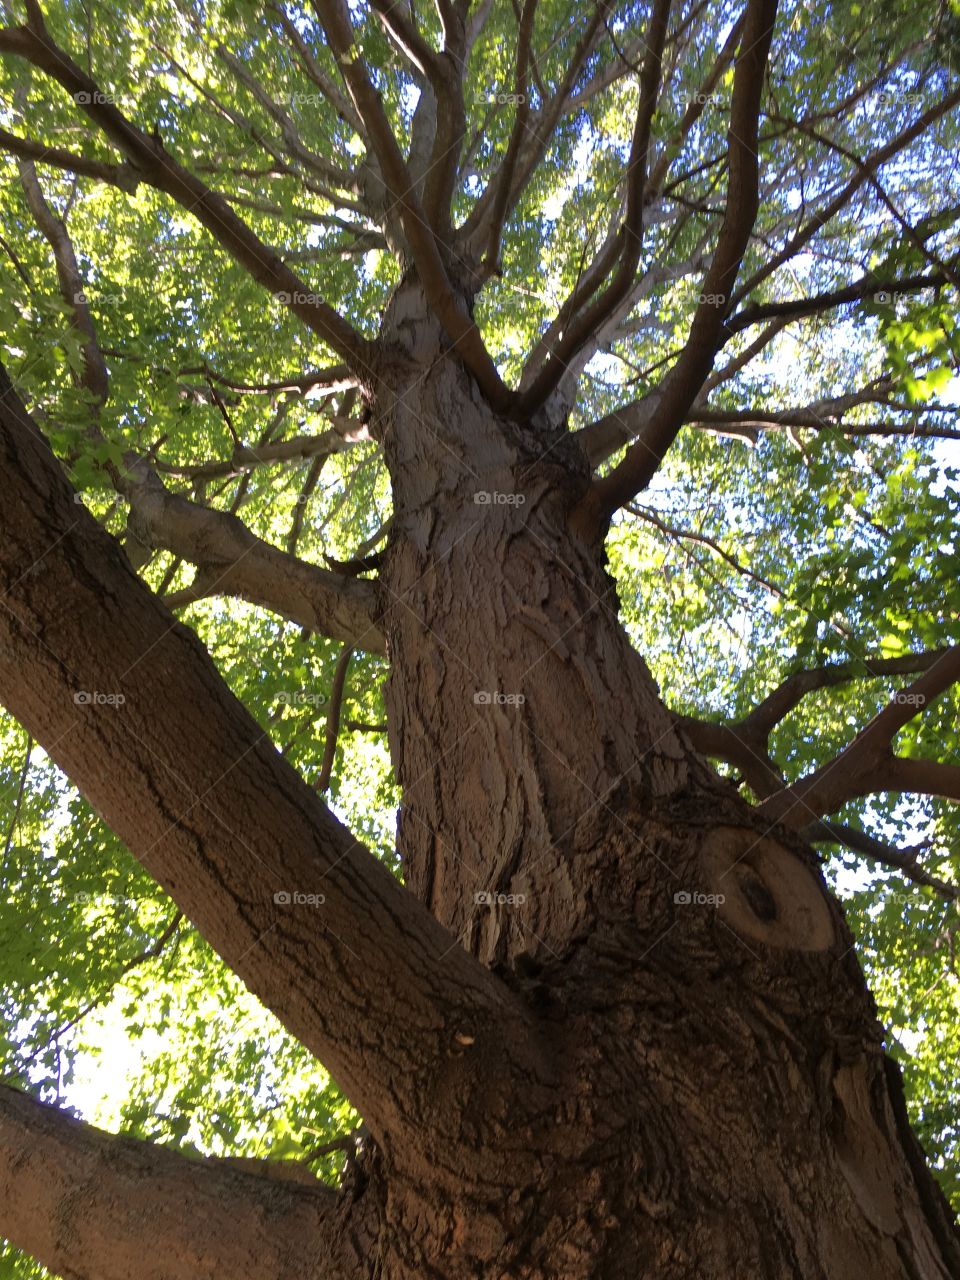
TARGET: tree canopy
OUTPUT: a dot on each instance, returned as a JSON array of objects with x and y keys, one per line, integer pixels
[{"x": 732, "y": 272}]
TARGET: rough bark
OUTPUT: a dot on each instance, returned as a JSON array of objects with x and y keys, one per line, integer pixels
[
  {"x": 661, "y": 1057},
  {"x": 71, "y": 1192},
  {"x": 728, "y": 1106},
  {"x": 147, "y": 729}
]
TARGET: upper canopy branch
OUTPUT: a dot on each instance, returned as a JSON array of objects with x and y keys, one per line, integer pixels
[
  {"x": 155, "y": 166},
  {"x": 640, "y": 420},
  {"x": 870, "y": 165},
  {"x": 539, "y": 129},
  {"x": 624, "y": 250},
  {"x": 460, "y": 328},
  {"x": 680, "y": 387},
  {"x": 444, "y": 71},
  {"x": 592, "y": 278}
]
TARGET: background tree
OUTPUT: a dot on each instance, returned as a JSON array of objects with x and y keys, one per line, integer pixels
[{"x": 433, "y": 364}]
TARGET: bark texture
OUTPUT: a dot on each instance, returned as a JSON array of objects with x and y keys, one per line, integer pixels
[
  {"x": 145, "y": 1213},
  {"x": 622, "y": 1033}
]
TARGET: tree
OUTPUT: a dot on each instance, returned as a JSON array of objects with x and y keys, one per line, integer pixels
[{"x": 544, "y": 270}]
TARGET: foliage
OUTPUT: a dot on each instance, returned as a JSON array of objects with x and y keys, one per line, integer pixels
[{"x": 745, "y": 560}]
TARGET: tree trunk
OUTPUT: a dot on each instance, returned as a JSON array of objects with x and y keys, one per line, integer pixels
[
  {"x": 725, "y": 1106},
  {"x": 672, "y": 1066}
]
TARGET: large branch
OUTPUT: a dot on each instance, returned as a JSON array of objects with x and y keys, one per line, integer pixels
[
  {"x": 96, "y": 1206},
  {"x": 232, "y": 561},
  {"x": 128, "y": 703},
  {"x": 787, "y": 695},
  {"x": 744, "y": 743},
  {"x": 685, "y": 379},
  {"x": 155, "y": 166},
  {"x": 458, "y": 325},
  {"x": 632, "y": 422},
  {"x": 343, "y": 433},
  {"x": 867, "y": 764}
]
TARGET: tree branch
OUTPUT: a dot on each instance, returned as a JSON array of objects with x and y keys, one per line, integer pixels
[
  {"x": 541, "y": 126},
  {"x": 124, "y": 176},
  {"x": 155, "y": 166},
  {"x": 745, "y": 743},
  {"x": 459, "y": 327},
  {"x": 680, "y": 387},
  {"x": 93, "y": 1206},
  {"x": 333, "y": 719},
  {"x": 866, "y": 765},
  {"x": 129, "y": 705},
  {"x": 625, "y": 249},
  {"x": 228, "y": 555},
  {"x": 443, "y": 71},
  {"x": 797, "y": 308},
  {"x": 777, "y": 705},
  {"x": 865, "y": 169},
  {"x": 504, "y": 181},
  {"x": 593, "y": 276},
  {"x": 903, "y": 860},
  {"x": 233, "y": 561}
]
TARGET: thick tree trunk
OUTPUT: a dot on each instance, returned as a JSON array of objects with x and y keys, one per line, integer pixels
[
  {"x": 672, "y": 1066},
  {"x": 725, "y": 1105}
]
